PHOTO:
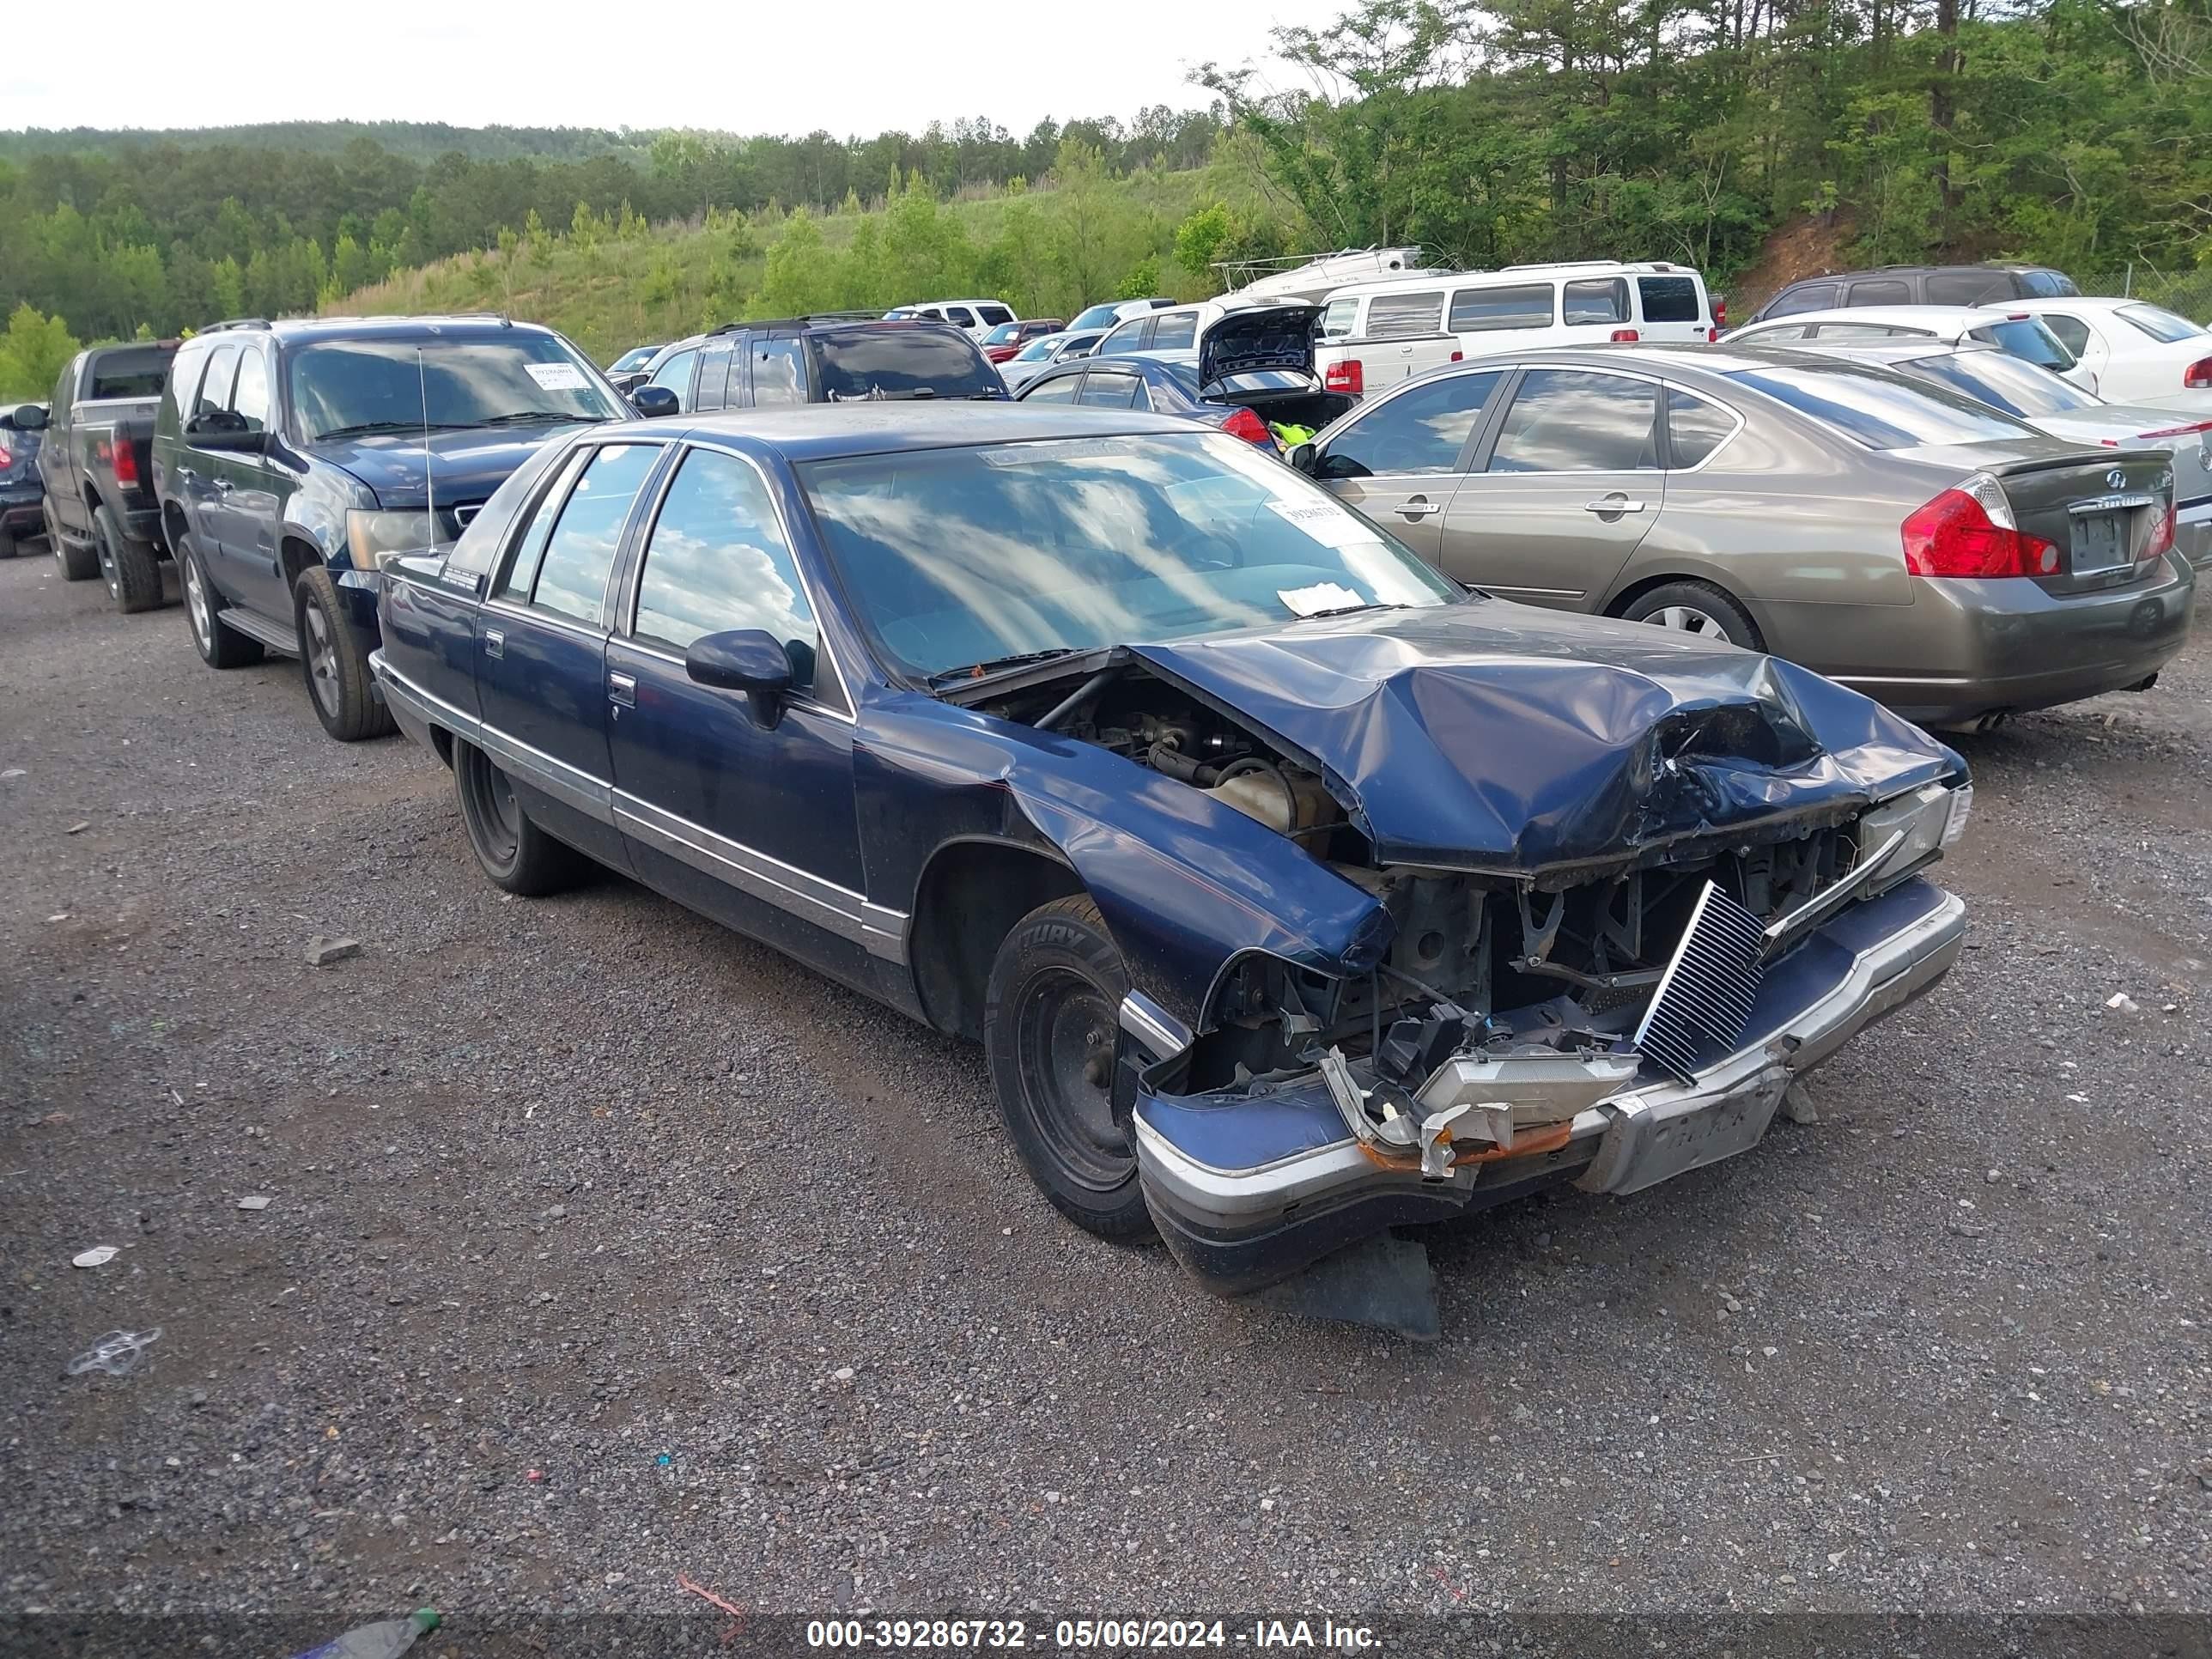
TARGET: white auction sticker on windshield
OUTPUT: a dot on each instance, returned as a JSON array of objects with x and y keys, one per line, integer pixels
[
  {"x": 557, "y": 377},
  {"x": 1321, "y": 596},
  {"x": 1327, "y": 523}
]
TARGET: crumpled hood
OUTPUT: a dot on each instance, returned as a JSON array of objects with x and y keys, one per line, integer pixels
[
  {"x": 1503, "y": 737},
  {"x": 466, "y": 465}
]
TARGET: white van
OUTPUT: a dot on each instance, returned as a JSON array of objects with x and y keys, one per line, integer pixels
[
  {"x": 1582, "y": 302},
  {"x": 977, "y": 317}
]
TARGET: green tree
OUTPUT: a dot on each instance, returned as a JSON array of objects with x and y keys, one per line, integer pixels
[{"x": 32, "y": 353}]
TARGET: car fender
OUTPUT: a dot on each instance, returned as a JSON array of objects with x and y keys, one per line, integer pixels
[{"x": 1185, "y": 884}]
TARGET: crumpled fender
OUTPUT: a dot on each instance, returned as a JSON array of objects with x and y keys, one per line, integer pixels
[{"x": 1186, "y": 885}]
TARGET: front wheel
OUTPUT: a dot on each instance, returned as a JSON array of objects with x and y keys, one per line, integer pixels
[
  {"x": 336, "y": 668},
  {"x": 514, "y": 853},
  {"x": 1698, "y": 609},
  {"x": 1051, "y": 1018},
  {"x": 78, "y": 563}
]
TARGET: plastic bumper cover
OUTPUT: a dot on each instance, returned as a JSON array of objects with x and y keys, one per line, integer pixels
[{"x": 1250, "y": 1188}]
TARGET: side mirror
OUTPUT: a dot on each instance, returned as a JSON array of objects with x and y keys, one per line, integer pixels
[
  {"x": 1305, "y": 458},
  {"x": 29, "y": 417},
  {"x": 748, "y": 660},
  {"x": 653, "y": 401}
]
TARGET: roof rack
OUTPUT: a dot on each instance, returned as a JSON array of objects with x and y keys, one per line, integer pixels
[
  {"x": 811, "y": 316},
  {"x": 236, "y": 322}
]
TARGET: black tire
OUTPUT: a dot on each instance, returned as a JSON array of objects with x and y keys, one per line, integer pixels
[
  {"x": 219, "y": 647},
  {"x": 513, "y": 852},
  {"x": 1051, "y": 1017},
  {"x": 7, "y": 543},
  {"x": 334, "y": 663},
  {"x": 1714, "y": 615},
  {"x": 134, "y": 575}
]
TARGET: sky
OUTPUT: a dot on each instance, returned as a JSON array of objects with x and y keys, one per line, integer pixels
[{"x": 853, "y": 67}]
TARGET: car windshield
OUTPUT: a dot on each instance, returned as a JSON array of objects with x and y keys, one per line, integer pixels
[
  {"x": 872, "y": 361},
  {"x": 344, "y": 386},
  {"x": 636, "y": 359},
  {"x": 1881, "y": 410},
  {"x": 2003, "y": 381},
  {"x": 1005, "y": 334},
  {"x": 2027, "y": 339},
  {"x": 959, "y": 557},
  {"x": 2160, "y": 324},
  {"x": 1037, "y": 350}
]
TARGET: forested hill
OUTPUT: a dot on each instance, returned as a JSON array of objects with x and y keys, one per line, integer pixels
[{"x": 416, "y": 141}]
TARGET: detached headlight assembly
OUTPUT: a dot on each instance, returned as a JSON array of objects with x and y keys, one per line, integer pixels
[
  {"x": 1962, "y": 803},
  {"x": 376, "y": 537}
]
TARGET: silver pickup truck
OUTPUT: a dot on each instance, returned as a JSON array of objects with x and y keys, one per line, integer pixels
[{"x": 1359, "y": 367}]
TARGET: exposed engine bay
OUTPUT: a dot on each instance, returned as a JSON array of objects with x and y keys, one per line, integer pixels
[{"x": 1503, "y": 1006}]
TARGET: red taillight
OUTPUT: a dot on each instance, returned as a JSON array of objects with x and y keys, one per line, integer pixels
[
  {"x": 1249, "y": 427},
  {"x": 1624, "y": 336},
  {"x": 1720, "y": 312},
  {"x": 2197, "y": 377},
  {"x": 7, "y": 456},
  {"x": 1347, "y": 376},
  {"x": 2161, "y": 537},
  {"x": 1458, "y": 356},
  {"x": 1712, "y": 336},
  {"x": 1954, "y": 535},
  {"x": 125, "y": 462}
]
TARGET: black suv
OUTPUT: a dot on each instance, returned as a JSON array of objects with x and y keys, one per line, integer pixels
[
  {"x": 1917, "y": 285},
  {"x": 291, "y": 458},
  {"x": 823, "y": 360}
]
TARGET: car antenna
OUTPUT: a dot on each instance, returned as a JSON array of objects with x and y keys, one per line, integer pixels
[{"x": 430, "y": 483}]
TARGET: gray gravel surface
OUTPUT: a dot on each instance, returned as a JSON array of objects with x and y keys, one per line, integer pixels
[{"x": 604, "y": 1245}]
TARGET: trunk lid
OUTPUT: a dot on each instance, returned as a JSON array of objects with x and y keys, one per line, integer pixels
[
  {"x": 2100, "y": 511},
  {"x": 1249, "y": 338}
]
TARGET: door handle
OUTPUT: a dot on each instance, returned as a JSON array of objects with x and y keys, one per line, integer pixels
[
  {"x": 621, "y": 690},
  {"x": 1613, "y": 506},
  {"x": 1416, "y": 508},
  {"x": 495, "y": 642}
]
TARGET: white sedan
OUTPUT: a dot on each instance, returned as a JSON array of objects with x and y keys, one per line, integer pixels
[
  {"x": 2140, "y": 354},
  {"x": 2009, "y": 329}
]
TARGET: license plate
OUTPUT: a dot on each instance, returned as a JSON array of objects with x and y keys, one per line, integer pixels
[{"x": 2101, "y": 541}]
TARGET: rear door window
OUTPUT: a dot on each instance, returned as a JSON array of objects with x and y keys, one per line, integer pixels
[
  {"x": 1482, "y": 310},
  {"x": 1967, "y": 288},
  {"x": 960, "y": 316},
  {"x": 1595, "y": 301},
  {"x": 717, "y": 561},
  {"x": 579, "y": 553},
  {"x": 1337, "y": 318},
  {"x": 779, "y": 372},
  {"x": 1422, "y": 430},
  {"x": 1174, "y": 330},
  {"x": 1059, "y": 389},
  {"x": 993, "y": 315},
  {"x": 1669, "y": 299},
  {"x": 1805, "y": 296},
  {"x": 215, "y": 386},
  {"x": 1396, "y": 316},
  {"x": 1882, "y": 291},
  {"x": 1579, "y": 420}
]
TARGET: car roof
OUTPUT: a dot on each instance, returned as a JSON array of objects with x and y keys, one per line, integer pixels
[
  {"x": 1928, "y": 316},
  {"x": 1655, "y": 357},
  {"x": 2063, "y": 302},
  {"x": 466, "y": 325},
  {"x": 814, "y": 432},
  {"x": 1898, "y": 351},
  {"x": 1917, "y": 271}
]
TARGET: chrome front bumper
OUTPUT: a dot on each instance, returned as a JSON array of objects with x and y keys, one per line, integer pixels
[{"x": 1309, "y": 1188}]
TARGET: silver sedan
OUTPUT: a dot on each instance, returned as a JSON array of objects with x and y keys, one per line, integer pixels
[{"x": 1041, "y": 354}]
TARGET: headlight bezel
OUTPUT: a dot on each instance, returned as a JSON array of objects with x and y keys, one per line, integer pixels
[{"x": 376, "y": 535}]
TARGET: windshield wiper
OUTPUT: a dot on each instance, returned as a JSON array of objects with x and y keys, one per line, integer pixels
[
  {"x": 1347, "y": 611},
  {"x": 369, "y": 428},
  {"x": 1019, "y": 659},
  {"x": 541, "y": 417}
]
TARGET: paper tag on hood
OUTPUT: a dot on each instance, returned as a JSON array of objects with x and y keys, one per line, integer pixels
[
  {"x": 1321, "y": 596},
  {"x": 557, "y": 377}
]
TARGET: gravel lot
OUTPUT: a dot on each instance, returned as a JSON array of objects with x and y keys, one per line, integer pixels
[{"x": 603, "y": 1245}]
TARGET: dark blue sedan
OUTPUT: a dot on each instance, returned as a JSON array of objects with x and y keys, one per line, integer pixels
[{"x": 1294, "y": 892}]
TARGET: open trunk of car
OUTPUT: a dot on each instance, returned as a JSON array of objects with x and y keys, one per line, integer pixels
[{"x": 1263, "y": 358}]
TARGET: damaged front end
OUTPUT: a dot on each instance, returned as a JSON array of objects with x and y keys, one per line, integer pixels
[{"x": 1609, "y": 1008}]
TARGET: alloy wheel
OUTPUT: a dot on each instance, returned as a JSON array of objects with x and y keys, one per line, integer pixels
[
  {"x": 195, "y": 603},
  {"x": 322, "y": 660},
  {"x": 1688, "y": 619}
]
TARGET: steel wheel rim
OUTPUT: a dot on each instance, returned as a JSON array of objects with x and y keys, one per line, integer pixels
[
  {"x": 498, "y": 815},
  {"x": 196, "y": 601},
  {"x": 322, "y": 658},
  {"x": 1064, "y": 1048},
  {"x": 1689, "y": 619}
]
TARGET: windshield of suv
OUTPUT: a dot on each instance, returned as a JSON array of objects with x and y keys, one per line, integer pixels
[
  {"x": 1881, "y": 410},
  {"x": 873, "y": 360},
  {"x": 960, "y": 557},
  {"x": 2160, "y": 324},
  {"x": 344, "y": 387},
  {"x": 2003, "y": 381}
]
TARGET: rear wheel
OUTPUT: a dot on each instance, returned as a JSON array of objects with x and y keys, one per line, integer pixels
[
  {"x": 336, "y": 668},
  {"x": 1700, "y": 609},
  {"x": 219, "y": 647},
  {"x": 134, "y": 576},
  {"x": 78, "y": 564},
  {"x": 513, "y": 852},
  {"x": 7, "y": 543},
  {"x": 1051, "y": 1017}
]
